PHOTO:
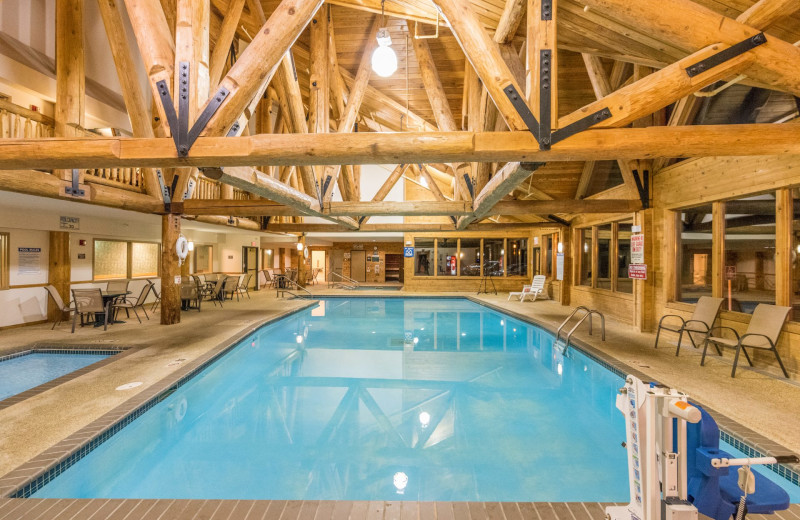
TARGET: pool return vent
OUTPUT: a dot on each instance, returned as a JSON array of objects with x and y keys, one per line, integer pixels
[{"x": 587, "y": 313}]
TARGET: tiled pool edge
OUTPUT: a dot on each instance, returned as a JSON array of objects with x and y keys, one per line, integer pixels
[
  {"x": 39, "y": 470},
  {"x": 739, "y": 436},
  {"x": 114, "y": 354}
]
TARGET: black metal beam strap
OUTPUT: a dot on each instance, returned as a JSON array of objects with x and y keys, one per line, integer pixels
[
  {"x": 234, "y": 130},
  {"x": 169, "y": 110},
  {"x": 183, "y": 108},
  {"x": 725, "y": 55},
  {"x": 75, "y": 189},
  {"x": 470, "y": 185},
  {"x": 522, "y": 109},
  {"x": 547, "y": 9},
  {"x": 328, "y": 179},
  {"x": 163, "y": 186},
  {"x": 643, "y": 187},
  {"x": 545, "y": 62},
  {"x": 580, "y": 125},
  {"x": 558, "y": 220},
  {"x": 214, "y": 103}
]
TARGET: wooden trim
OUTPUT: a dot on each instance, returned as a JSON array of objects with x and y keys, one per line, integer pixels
[
  {"x": 671, "y": 254},
  {"x": 18, "y": 325},
  {"x": 717, "y": 248},
  {"x": 784, "y": 238}
]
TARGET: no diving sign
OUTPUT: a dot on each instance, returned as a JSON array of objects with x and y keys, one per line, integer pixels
[{"x": 408, "y": 252}]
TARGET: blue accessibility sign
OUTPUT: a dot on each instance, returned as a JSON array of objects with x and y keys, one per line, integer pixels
[{"x": 408, "y": 252}]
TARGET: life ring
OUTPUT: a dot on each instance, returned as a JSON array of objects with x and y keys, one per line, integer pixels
[{"x": 182, "y": 248}]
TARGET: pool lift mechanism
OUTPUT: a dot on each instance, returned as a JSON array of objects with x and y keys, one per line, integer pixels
[{"x": 673, "y": 476}]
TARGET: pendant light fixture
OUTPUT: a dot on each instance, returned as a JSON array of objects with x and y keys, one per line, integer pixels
[{"x": 384, "y": 60}]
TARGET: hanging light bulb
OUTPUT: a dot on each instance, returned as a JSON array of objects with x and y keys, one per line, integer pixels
[{"x": 384, "y": 60}]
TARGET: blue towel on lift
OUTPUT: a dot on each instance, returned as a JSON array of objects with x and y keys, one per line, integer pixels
[{"x": 715, "y": 491}]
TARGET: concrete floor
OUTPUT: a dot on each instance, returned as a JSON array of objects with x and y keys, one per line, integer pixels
[{"x": 768, "y": 405}]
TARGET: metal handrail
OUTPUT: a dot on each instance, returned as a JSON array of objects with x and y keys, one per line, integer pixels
[
  {"x": 589, "y": 314},
  {"x": 352, "y": 285},
  {"x": 297, "y": 286}
]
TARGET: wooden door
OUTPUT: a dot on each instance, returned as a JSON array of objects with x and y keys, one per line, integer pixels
[{"x": 358, "y": 265}]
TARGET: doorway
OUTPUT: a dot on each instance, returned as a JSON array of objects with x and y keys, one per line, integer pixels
[
  {"x": 250, "y": 265},
  {"x": 358, "y": 265},
  {"x": 318, "y": 266}
]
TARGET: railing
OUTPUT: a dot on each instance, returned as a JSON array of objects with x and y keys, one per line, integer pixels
[
  {"x": 345, "y": 282},
  {"x": 295, "y": 285},
  {"x": 207, "y": 189},
  {"x": 17, "y": 122},
  {"x": 588, "y": 314}
]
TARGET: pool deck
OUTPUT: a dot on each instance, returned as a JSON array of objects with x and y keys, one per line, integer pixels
[{"x": 45, "y": 427}]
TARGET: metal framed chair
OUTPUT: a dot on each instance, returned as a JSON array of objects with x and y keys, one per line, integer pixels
[
  {"x": 157, "y": 301},
  {"x": 59, "y": 303},
  {"x": 702, "y": 320},
  {"x": 244, "y": 285},
  {"x": 138, "y": 302},
  {"x": 230, "y": 287},
  {"x": 762, "y": 332},
  {"x": 89, "y": 301},
  {"x": 190, "y": 293},
  {"x": 216, "y": 292}
]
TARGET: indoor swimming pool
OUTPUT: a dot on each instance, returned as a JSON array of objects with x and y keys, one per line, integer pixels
[
  {"x": 25, "y": 370},
  {"x": 375, "y": 399}
]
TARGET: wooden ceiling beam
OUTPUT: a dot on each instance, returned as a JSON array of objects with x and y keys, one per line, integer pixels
[
  {"x": 764, "y": 13},
  {"x": 318, "y": 89},
  {"x": 405, "y": 227},
  {"x": 387, "y": 186},
  {"x": 222, "y": 47},
  {"x": 396, "y": 148},
  {"x": 289, "y": 90},
  {"x": 484, "y": 54},
  {"x": 692, "y": 27},
  {"x": 585, "y": 179},
  {"x": 513, "y": 14},
  {"x": 250, "y": 72},
  {"x": 503, "y": 183}
]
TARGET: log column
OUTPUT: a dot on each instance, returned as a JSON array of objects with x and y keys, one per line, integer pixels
[
  {"x": 784, "y": 219},
  {"x": 644, "y": 291},
  {"x": 170, "y": 270},
  {"x": 59, "y": 272},
  {"x": 301, "y": 262},
  {"x": 70, "y": 72}
]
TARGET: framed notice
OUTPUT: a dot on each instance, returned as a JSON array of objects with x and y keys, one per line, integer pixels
[
  {"x": 29, "y": 260},
  {"x": 559, "y": 266},
  {"x": 637, "y": 271},
  {"x": 637, "y": 248}
]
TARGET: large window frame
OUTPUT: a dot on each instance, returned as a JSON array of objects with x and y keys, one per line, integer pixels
[
  {"x": 435, "y": 268},
  {"x": 129, "y": 259},
  {"x": 589, "y": 236}
]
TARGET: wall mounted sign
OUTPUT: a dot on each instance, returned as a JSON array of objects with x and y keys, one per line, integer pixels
[
  {"x": 408, "y": 252},
  {"x": 730, "y": 272},
  {"x": 71, "y": 223},
  {"x": 29, "y": 260},
  {"x": 637, "y": 249},
  {"x": 637, "y": 271},
  {"x": 559, "y": 266}
]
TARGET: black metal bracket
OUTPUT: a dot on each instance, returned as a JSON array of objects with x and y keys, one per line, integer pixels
[
  {"x": 643, "y": 187},
  {"x": 522, "y": 109},
  {"x": 580, "y": 125},
  {"x": 361, "y": 220},
  {"x": 547, "y": 9},
  {"x": 184, "y": 137},
  {"x": 75, "y": 189},
  {"x": 725, "y": 55},
  {"x": 470, "y": 185},
  {"x": 558, "y": 220},
  {"x": 234, "y": 129},
  {"x": 325, "y": 184},
  {"x": 545, "y": 62}
]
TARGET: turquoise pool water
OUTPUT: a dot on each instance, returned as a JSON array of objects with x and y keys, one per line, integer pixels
[
  {"x": 375, "y": 399},
  {"x": 31, "y": 370}
]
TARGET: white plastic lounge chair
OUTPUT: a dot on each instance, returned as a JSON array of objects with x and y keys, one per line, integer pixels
[
  {"x": 525, "y": 289},
  {"x": 537, "y": 289},
  {"x": 762, "y": 332},
  {"x": 703, "y": 318}
]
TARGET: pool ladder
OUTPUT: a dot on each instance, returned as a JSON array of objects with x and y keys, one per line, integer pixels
[{"x": 588, "y": 314}]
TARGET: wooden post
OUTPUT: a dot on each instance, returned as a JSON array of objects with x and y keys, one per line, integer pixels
[
  {"x": 318, "y": 103},
  {"x": 644, "y": 291},
  {"x": 170, "y": 271},
  {"x": 566, "y": 283},
  {"x": 671, "y": 256},
  {"x": 542, "y": 37},
  {"x": 70, "y": 72},
  {"x": 717, "y": 248},
  {"x": 301, "y": 262},
  {"x": 59, "y": 272},
  {"x": 784, "y": 238}
]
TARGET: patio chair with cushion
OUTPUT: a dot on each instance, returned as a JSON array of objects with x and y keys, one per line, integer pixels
[
  {"x": 703, "y": 318},
  {"x": 59, "y": 303},
  {"x": 763, "y": 332},
  {"x": 88, "y": 301},
  {"x": 137, "y": 303}
]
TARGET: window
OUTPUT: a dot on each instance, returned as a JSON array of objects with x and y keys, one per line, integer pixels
[
  {"x": 423, "y": 257},
  {"x": 624, "y": 284},
  {"x": 548, "y": 256},
  {"x": 585, "y": 277},
  {"x": 203, "y": 259},
  {"x": 749, "y": 266},
  {"x": 4, "y": 260},
  {"x": 604, "y": 243},
  {"x": 110, "y": 259},
  {"x": 694, "y": 254},
  {"x": 114, "y": 259},
  {"x": 470, "y": 257},
  {"x": 517, "y": 257},
  {"x": 447, "y": 257},
  {"x": 493, "y": 257}
]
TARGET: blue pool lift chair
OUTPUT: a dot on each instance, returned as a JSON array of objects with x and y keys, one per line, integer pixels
[{"x": 714, "y": 491}]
